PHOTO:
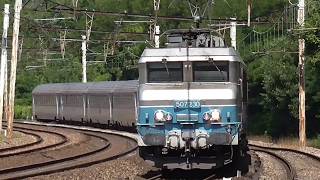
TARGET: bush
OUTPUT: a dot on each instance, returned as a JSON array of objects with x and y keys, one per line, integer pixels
[
  {"x": 315, "y": 142},
  {"x": 22, "y": 112}
]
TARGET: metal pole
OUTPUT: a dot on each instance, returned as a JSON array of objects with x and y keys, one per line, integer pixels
[
  {"x": 156, "y": 31},
  {"x": 4, "y": 59},
  {"x": 233, "y": 33},
  {"x": 249, "y": 12},
  {"x": 302, "y": 115},
  {"x": 14, "y": 58},
  {"x": 157, "y": 37},
  {"x": 5, "y": 99},
  {"x": 84, "y": 59}
]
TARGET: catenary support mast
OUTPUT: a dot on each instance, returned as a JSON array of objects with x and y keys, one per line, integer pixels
[
  {"x": 84, "y": 59},
  {"x": 233, "y": 33},
  {"x": 302, "y": 116},
  {"x": 249, "y": 12},
  {"x": 4, "y": 59}
]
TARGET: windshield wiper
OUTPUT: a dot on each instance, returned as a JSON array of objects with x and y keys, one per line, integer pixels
[
  {"x": 212, "y": 61},
  {"x": 164, "y": 61}
]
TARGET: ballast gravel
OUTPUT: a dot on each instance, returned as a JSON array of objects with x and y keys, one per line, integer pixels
[
  {"x": 18, "y": 139},
  {"x": 271, "y": 169},
  {"x": 129, "y": 167},
  {"x": 305, "y": 167},
  {"x": 310, "y": 150}
]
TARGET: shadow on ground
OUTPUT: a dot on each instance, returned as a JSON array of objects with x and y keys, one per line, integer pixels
[{"x": 227, "y": 171}]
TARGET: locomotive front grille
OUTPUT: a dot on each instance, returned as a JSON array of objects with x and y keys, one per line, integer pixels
[{"x": 187, "y": 117}]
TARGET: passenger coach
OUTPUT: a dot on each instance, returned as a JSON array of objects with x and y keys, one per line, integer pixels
[{"x": 111, "y": 103}]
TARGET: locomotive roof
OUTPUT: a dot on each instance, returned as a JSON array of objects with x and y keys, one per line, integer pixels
[
  {"x": 189, "y": 54},
  {"x": 91, "y": 87}
]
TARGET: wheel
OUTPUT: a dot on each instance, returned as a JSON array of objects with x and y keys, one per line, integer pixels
[{"x": 143, "y": 151}]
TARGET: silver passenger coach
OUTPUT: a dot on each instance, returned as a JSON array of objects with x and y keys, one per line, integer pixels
[{"x": 109, "y": 103}]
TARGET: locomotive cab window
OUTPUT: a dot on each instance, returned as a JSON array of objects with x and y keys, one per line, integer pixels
[
  {"x": 211, "y": 71},
  {"x": 165, "y": 72}
]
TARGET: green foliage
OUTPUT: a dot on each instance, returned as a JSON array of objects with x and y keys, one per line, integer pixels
[
  {"x": 273, "y": 87},
  {"x": 273, "y": 84},
  {"x": 273, "y": 77},
  {"x": 22, "y": 112},
  {"x": 315, "y": 142}
]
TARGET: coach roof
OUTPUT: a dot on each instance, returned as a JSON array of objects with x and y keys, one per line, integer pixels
[
  {"x": 89, "y": 88},
  {"x": 191, "y": 54}
]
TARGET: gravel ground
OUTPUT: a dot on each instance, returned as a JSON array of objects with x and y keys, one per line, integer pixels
[
  {"x": 129, "y": 167},
  {"x": 306, "y": 168},
  {"x": 76, "y": 148},
  {"x": 310, "y": 150},
  {"x": 73, "y": 136},
  {"x": 271, "y": 169},
  {"x": 18, "y": 139}
]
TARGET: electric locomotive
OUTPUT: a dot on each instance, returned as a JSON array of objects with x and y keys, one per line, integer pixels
[{"x": 192, "y": 102}]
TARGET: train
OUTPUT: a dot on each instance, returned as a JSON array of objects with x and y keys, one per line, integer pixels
[{"x": 188, "y": 105}]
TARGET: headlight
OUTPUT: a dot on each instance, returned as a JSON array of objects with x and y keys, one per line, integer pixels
[
  {"x": 213, "y": 115},
  {"x": 159, "y": 116},
  {"x": 216, "y": 115},
  {"x": 206, "y": 116},
  {"x": 169, "y": 117},
  {"x": 162, "y": 116}
]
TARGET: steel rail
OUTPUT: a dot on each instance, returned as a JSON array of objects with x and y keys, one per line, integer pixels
[
  {"x": 63, "y": 141},
  {"x": 287, "y": 149},
  {"x": 12, "y": 173},
  {"x": 291, "y": 173},
  {"x": 39, "y": 140},
  {"x": 65, "y": 163}
]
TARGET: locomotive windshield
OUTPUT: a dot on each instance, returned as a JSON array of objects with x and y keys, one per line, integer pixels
[
  {"x": 164, "y": 72},
  {"x": 210, "y": 71}
]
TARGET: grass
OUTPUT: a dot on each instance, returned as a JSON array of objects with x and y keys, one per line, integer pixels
[
  {"x": 1, "y": 138},
  {"x": 287, "y": 142},
  {"x": 265, "y": 138},
  {"x": 315, "y": 142},
  {"x": 22, "y": 112}
]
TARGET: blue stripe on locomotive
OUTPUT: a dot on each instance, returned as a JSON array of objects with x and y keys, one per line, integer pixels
[{"x": 147, "y": 125}]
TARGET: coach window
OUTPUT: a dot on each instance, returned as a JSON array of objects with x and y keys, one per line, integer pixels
[
  {"x": 211, "y": 71},
  {"x": 164, "y": 72}
]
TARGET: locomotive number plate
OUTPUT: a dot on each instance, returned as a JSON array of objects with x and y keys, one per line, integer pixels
[{"x": 187, "y": 104}]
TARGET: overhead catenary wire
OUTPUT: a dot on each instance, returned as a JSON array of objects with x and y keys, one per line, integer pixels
[{"x": 134, "y": 15}]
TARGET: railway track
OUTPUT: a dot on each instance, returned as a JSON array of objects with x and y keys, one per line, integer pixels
[
  {"x": 111, "y": 147},
  {"x": 38, "y": 140},
  {"x": 299, "y": 164},
  {"x": 30, "y": 147},
  {"x": 290, "y": 171},
  {"x": 183, "y": 174},
  {"x": 287, "y": 149}
]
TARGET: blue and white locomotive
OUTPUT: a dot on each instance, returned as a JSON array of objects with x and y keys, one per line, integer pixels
[{"x": 192, "y": 102}]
